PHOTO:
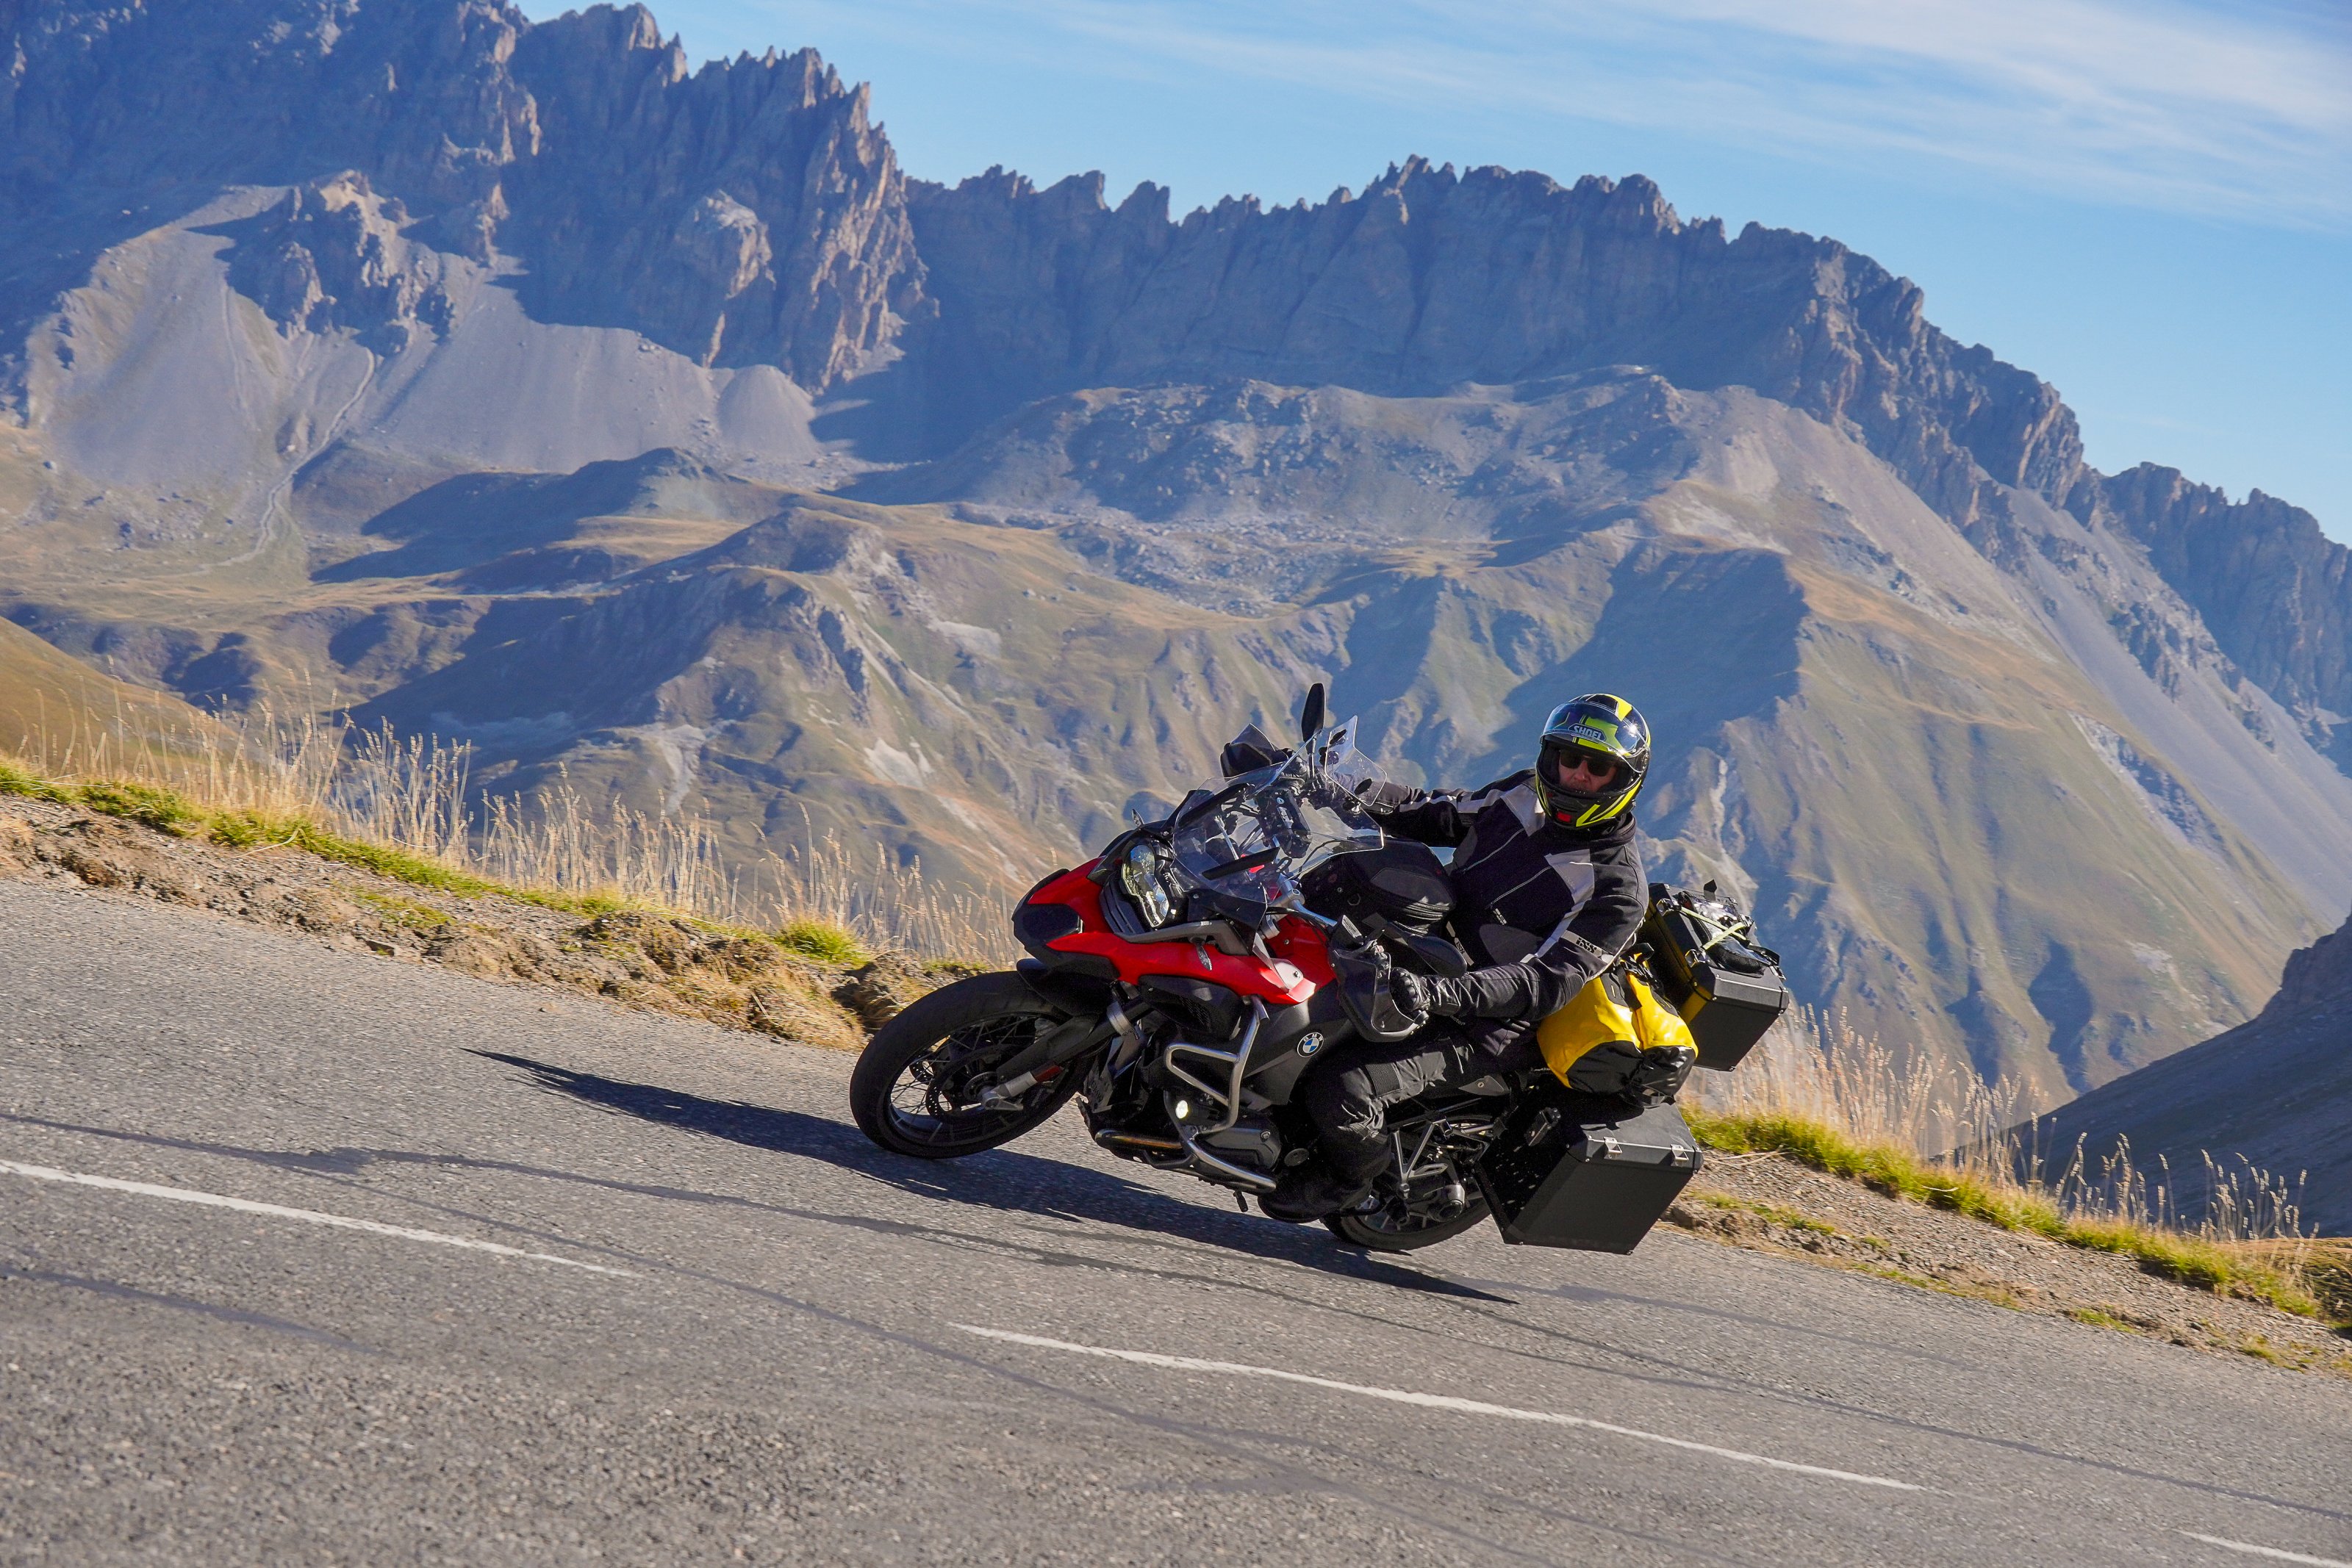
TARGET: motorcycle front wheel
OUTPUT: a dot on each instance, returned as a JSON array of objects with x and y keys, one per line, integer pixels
[
  {"x": 913, "y": 1090},
  {"x": 1381, "y": 1230}
]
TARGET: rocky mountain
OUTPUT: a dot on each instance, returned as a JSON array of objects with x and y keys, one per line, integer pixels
[
  {"x": 2274, "y": 591},
  {"x": 745, "y": 215},
  {"x": 647, "y": 427},
  {"x": 2274, "y": 1090}
]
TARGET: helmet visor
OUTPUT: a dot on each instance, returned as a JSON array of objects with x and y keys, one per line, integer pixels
[{"x": 1579, "y": 771}]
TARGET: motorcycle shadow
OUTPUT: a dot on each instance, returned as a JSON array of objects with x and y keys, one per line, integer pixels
[{"x": 1000, "y": 1179}]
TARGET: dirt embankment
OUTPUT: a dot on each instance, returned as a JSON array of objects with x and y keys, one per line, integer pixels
[
  {"x": 747, "y": 981},
  {"x": 1770, "y": 1203},
  {"x": 738, "y": 980}
]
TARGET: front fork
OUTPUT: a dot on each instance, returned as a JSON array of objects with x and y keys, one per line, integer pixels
[{"x": 1047, "y": 1056}]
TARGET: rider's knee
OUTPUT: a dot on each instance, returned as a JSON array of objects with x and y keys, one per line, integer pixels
[{"x": 1346, "y": 1100}]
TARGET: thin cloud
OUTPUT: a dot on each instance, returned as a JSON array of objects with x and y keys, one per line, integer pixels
[
  {"x": 2245, "y": 113},
  {"x": 2090, "y": 52}
]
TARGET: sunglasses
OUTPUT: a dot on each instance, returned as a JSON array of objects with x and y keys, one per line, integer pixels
[{"x": 1564, "y": 763}]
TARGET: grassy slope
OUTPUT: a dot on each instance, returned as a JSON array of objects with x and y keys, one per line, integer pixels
[
  {"x": 981, "y": 697},
  {"x": 53, "y": 704},
  {"x": 2251, "y": 1271},
  {"x": 1890, "y": 797}
]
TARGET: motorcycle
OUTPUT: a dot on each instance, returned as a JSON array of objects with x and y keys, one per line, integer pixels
[{"x": 1181, "y": 984}]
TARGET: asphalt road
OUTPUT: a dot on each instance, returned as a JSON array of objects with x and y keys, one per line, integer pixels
[{"x": 636, "y": 1292}]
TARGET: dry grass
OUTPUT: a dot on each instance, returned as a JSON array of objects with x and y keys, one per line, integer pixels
[
  {"x": 1820, "y": 1094},
  {"x": 885, "y": 902},
  {"x": 407, "y": 808}
]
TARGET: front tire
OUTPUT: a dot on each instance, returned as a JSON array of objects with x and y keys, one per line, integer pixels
[
  {"x": 1379, "y": 1230},
  {"x": 909, "y": 1092}
]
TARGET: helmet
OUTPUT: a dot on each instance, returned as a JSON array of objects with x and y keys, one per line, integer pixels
[{"x": 1594, "y": 728}]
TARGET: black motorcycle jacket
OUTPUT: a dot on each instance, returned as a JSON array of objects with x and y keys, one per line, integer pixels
[{"x": 1542, "y": 909}]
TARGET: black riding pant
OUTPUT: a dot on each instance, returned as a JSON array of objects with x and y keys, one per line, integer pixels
[{"x": 1348, "y": 1095}]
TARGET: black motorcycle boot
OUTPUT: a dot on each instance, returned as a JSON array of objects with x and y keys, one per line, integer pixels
[{"x": 1314, "y": 1191}]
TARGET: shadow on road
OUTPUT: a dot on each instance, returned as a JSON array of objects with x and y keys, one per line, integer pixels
[{"x": 999, "y": 1179}]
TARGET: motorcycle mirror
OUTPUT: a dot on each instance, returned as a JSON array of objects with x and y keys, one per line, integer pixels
[{"x": 1310, "y": 718}]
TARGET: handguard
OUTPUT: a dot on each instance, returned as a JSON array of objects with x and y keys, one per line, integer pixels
[{"x": 1366, "y": 993}]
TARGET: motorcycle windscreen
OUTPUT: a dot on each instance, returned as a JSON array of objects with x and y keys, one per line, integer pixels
[{"x": 1250, "y": 843}]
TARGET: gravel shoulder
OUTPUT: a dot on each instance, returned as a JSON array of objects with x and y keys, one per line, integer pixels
[{"x": 735, "y": 979}]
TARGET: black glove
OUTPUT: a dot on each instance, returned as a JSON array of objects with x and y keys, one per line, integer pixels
[
  {"x": 1734, "y": 954},
  {"x": 1410, "y": 994},
  {"x": 1433, "y": 994}
]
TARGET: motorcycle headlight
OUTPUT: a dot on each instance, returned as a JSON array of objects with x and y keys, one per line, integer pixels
[{"x": 1139, "y": 874}]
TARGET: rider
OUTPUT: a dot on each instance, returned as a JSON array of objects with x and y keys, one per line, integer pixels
[{"x": 1548, "y": 892}]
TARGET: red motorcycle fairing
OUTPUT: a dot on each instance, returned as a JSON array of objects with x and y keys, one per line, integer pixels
[{"x": 1301, "y": 966}]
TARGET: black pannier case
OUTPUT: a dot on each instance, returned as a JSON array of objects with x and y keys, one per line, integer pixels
[
  {"x": 1578, "y": 1170},
  {"x": 1727, "y": 1009}
]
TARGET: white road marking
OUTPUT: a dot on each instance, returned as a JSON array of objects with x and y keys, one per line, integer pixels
[
  {"x": 1439, "y": 1401},
  {"x": 308, "y": 1216},
  {"x": 2273, "y": 1552}
]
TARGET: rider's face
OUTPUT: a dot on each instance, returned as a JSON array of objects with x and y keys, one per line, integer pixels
[{"x": 1585, "y": 772}]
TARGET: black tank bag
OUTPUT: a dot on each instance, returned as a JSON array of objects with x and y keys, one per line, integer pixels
[{"x": 1402, "y": 882}]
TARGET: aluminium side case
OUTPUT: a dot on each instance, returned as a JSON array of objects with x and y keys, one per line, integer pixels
[
  {"x": 1727, "y": 1008},
  {"x": 1581, "y": 1171}
]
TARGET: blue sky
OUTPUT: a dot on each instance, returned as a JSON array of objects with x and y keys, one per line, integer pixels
[{"x": 2147, "y": 203}]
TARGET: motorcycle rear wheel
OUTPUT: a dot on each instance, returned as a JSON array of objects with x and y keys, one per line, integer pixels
[
  {"x": 1379, "y": 1231},
  {"x": 907, "y": 1091}
]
